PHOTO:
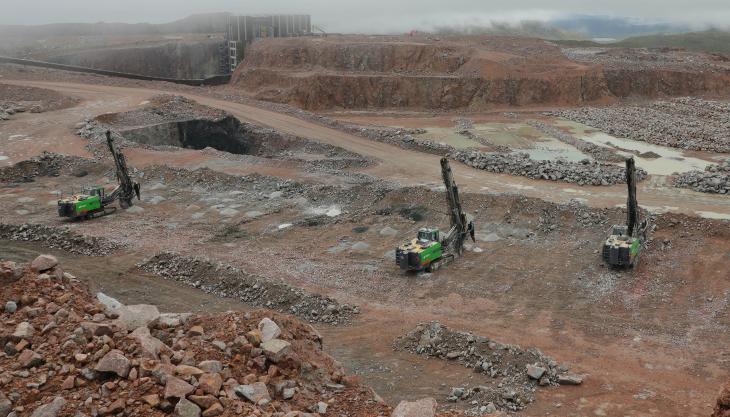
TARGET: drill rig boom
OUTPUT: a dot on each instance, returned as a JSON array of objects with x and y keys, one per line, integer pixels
[
  {"x": 624, "y": 243},
  {"x": 127, "y": 189}
]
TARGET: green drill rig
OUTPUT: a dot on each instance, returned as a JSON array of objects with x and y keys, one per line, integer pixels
[
  {"x": 625, "y": 242},
  {"x": 95, "y": 201},
  {"x": 431, "y": 250}
]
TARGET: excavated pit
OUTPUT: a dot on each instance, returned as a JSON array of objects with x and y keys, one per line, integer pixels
[
  {"x": 226, "y": 134},
  {"x": 175, "y": 121}
]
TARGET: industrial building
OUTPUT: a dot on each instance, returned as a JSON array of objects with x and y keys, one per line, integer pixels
[{"x": 242, "y": 30}]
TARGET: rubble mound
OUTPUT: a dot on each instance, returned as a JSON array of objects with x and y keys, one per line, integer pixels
[
  {"x": 59, "y": 238},
  {"x": 714, "y": 179},
  {"x": 67, "y": 353},
  {"x": 582, "y": 173},
  {"x": 686, "y": 122},
  {"x": 19, "y": 99},
  {"x": 516, "y": 372},
  {"x": 47, "y": 164},
  {"x": 476, "y": 72},
  {"x": 228, "y": 281}
]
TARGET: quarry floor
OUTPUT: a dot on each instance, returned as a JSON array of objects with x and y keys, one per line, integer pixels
[{"x": 651, "y": 342}]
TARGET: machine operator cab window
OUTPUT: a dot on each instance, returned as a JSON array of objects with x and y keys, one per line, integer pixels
[
  {"x": 426, "y": 235},
  {"x": 620, "y": 230},
  {"x": 95, "y": 191}
]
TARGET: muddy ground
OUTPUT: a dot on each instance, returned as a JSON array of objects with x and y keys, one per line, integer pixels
[{"x": 651, "y": 341}]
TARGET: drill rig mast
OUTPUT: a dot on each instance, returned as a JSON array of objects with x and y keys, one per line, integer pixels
[{"x": 625, "y": 242}]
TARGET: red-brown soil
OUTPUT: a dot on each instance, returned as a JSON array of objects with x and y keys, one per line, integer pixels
[{"x": 473, "y": 73}]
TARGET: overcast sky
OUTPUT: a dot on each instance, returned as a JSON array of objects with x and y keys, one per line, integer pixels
[{"x": 367, "y": 16}]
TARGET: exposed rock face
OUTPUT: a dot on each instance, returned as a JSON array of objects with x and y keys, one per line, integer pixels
[
  {"x": 476, "y": 73},
  {"x": 353, "y": 73}
]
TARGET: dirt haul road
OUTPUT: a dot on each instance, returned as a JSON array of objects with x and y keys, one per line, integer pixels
[{"x": 400, "y": 165}]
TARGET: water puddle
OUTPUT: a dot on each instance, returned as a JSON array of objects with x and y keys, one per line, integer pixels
[
  {"x": 670, "y": 160},
  {"x": 447, "y": 136},
  {"x": 329, "y": 211},
  {"x": 713, "y": 215}
]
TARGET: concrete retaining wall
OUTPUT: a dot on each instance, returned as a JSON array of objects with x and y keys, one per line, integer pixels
[{"x": 216, "y": 80}]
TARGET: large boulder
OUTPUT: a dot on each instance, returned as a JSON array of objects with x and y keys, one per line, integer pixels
[
  {"x": 43, "y": 263},
  {"x": 10, "y": 272},
  {"x": 135, "y": 316},
  {"x": 275, "y": 349},
  {"x": 151, "y": 347},
  {"x": 425, "y": 407},
  {"x": 176, "y": 387},
  {"x": 23, "y": 330},
  {"x": 167, "y": 320},
  {"x": 269, "y": 329},
  {"x": 51, "y": 409},
  {"x": 211, "y": 366},
  {"x": 255, "y": 392},
  {"x": 114, "y": 362},
  {"x": 185, "y": 408},
  {"x": 111, "y": 305},
  {"x": 210, "y": 383},
  {"x": 30, "y": 359},
  {"x": 6, "y": 406}
]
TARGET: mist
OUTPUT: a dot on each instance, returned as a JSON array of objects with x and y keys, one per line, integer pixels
[{"x": 374, "y": 16}]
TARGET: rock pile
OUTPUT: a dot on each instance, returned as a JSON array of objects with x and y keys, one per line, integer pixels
[
  {"x": 228, "y": 281},
  {"x": 66, "y": 353},
  {"x": 686, "y": 123},
  {"x": 58, "y": 237},
  {"x": 646, "y": 59},
  {"x": 599, "y": 153},
  {"x": 399, "y": 137},
  {"x": 9, "y": 108},
  {"x": 714, "y": 179},
  {"x": 47, "y": 164},
  {"x": 584, "y": 173},
  {"x": 516, "y": 372}
]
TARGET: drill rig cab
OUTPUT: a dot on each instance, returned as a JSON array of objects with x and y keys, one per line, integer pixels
[
  {"x": 95, "y": 201},
  {"x": 624, "y": 243},
  {"x": 431, "y": 250}
]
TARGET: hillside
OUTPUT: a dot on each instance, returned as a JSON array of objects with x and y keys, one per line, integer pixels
[{"x": 713, "y": 40}]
